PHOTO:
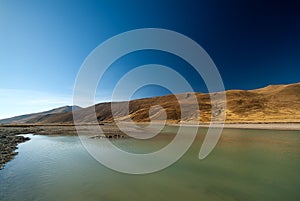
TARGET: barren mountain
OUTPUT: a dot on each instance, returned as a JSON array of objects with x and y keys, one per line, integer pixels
[
  {"x": 36, "y": 117},
  {"x": 274, "y": 103}
]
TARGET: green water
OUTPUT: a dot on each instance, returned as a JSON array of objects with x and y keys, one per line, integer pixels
[{"x": 245, "y": 165}]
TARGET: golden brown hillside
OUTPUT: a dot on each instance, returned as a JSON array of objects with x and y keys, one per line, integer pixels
[{"x": 274, "y": 103}]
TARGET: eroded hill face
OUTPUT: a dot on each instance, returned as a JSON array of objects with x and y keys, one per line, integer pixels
[{"x": 276, "y": 103}]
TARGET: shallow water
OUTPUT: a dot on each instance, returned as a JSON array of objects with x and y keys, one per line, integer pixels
[{"x": 245, "y": 165}]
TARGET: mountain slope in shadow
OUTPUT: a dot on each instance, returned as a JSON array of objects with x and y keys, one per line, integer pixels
[{"x": 36, "y": 117}]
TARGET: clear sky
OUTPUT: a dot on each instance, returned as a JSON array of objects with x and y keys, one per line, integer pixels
[{"x": 43, "y": 44}]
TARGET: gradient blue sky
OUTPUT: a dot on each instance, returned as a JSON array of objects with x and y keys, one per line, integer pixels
[{"x": 43, "y": 44}]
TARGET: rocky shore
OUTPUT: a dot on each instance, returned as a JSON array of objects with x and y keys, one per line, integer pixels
[
  {"x": 9, "y": 138},
  {"x": 8, "y": 145}
]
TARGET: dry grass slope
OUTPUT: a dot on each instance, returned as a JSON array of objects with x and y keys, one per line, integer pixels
[{"x": 274, "y": 103}]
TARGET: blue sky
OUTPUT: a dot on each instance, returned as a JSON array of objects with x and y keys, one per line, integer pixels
[{"x": 43, "y": 44}]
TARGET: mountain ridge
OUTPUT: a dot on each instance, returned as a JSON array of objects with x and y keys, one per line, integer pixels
[
  {"x": 273, "y": 103},
  {"x": 27, "y": 117}
]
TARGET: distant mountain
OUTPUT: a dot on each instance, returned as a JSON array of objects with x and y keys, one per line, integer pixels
[
  {"x": 36, "y": 117},
  {"x": 274, "y": 103}
]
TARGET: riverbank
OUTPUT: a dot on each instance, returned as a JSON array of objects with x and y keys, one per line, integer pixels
[
  {"x": 8, "y": 146},
  {"x": 9, "y": 138},
  {"x": 263, "y": 126}
]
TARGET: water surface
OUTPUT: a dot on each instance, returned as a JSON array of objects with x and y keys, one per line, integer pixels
[{"x": 245, "y": 165}]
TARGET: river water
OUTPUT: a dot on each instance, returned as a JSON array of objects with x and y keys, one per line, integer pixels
[{"x": 245, "y": 165}]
